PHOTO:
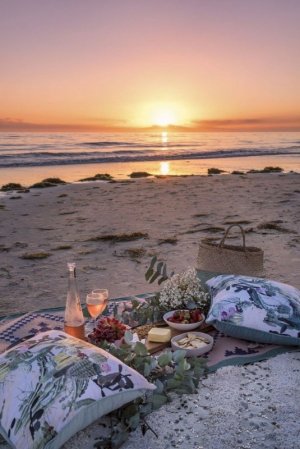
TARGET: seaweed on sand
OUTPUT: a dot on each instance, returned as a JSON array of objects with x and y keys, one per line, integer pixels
[
  {"x": 238, "y": 222},
  {"x": 139, "y": 174},
  {"x": 274, "y": 226},
  {"x": 169, "y": 240},
  {"x": 11, "y": 186},
  {"x": 267, "y": 170},
  {"x": 71, "y": 212},
  {"x": 35, "y": 256},
  {"x": 215, "y": 171},
  {"x": 114, "y": 238},
  {"x": 200, "y": 215},
  {"x": 48, "y": 182},
  {"x": 4, "y": 248},
  {"x": 98, "y": 177},
  {"x": 213, "y": 229},
  {"x": 135, "y": 253},
  {"x": 62, "y": 247}
]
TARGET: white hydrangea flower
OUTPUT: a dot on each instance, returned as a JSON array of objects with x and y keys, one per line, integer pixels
[{"x": 183, "y": 289}]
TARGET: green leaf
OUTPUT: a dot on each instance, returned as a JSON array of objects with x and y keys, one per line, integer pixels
[
  {"x": 140, "y": 349},
  {"x": 186, "y": 365},
  {"x": 158, "y": 400},
  {"x": 189, "y": 385},
  {"x": 128, "y": 358},
  {"x": 179, "y": 355},
  {"x": 148, "y": 274},
  {"x": 164, "y": 359},
  {"x": 159, "y": 386},
  {"x": 159, "y": 267},
  {"x": 135, "y": 303},
  {"x": 165, "y": 271},
  {"x": 162, "y": 279},
  {"x": 130, "y": 410},
  {"x": 153, "y": 362},
  {"x": 160, "y": 272},
  {"x": 173, "y": 384},
  {"x": 179, "y": 369},
  {"x": 134, "y": 421},
  {"x": 128, "y": 337},
  {"x": 145, "y": 409},
  {"x": 179, "y": 373},
  {"x": 153, "y": 261},
  {"x": 147, "y": 369},
  {"x": 154, "y": 277},
  {"x": 199, "y": 367},
  {"x": 150, "y": 270}
]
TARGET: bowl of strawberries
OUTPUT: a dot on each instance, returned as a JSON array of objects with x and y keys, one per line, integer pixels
[{"x": 184, "y": 320}]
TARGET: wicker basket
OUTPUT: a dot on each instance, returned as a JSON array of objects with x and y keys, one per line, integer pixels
[{"x": 220, "y": 258}]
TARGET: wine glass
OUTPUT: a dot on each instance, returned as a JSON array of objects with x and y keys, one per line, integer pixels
[{"x": 96, "y": 302}]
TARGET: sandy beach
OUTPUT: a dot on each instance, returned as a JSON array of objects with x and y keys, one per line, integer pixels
[{"x": 251, "y": 407}]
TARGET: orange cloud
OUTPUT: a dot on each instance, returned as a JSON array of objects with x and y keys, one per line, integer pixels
[
  {"x": 105, "y": 125},
  {"x": 248, "y": 124},
  {"x": 110, "y": 125}
]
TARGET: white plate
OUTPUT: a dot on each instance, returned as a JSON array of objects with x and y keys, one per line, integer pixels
[
  {"x": 180, "y": 326},
  {"x": 193, "y": 352}
]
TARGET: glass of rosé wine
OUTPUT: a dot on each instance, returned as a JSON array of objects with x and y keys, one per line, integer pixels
[{"x": 96, "y": 303}]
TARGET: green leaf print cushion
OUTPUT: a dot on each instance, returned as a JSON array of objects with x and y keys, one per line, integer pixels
[
  {"x": 255, "y": 309},
  {"x": 53, "y": 385}
]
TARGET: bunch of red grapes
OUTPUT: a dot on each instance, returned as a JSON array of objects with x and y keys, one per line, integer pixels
[{"x": 109, "y": 329}]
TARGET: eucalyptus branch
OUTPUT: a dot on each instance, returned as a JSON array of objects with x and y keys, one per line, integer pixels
[
  {"x": 169, "y": 372},
  {"x": 157, "y": 271}
]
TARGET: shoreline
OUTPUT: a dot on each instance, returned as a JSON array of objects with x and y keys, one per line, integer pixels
[{"x": 120, "y": 171}]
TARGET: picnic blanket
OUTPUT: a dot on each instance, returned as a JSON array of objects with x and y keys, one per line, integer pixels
[{"x": 226, "y": 350}]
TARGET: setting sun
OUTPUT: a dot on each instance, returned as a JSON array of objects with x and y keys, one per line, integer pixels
[
  {"x": 164, "y": 118},
  {"x": 161, "y": 113}
]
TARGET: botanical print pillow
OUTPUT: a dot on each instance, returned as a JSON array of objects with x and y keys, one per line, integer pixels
[
  {"x": 255, "y": 309},
  {"x": 53, "y": 385}
]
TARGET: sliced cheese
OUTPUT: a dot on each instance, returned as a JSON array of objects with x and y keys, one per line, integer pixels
[{"x": 159, "y": 334}]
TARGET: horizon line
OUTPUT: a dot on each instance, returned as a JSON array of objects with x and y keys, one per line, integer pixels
[{"x": 287, "y": 124}]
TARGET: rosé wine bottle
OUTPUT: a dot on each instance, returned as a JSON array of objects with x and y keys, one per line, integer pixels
[{"x": 74, "y": 320}]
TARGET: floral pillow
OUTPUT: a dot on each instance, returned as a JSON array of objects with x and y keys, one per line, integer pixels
[
  {"x": 53, "y": 385},
  {"x": 255, "y": 309}
]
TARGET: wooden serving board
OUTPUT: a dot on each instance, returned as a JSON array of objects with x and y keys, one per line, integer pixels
[{"x": 156, "y": 347}]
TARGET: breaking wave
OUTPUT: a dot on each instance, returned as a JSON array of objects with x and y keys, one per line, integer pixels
[{"x": 31, "y": 149}]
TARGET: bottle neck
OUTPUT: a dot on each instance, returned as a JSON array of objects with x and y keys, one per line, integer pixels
[
  {"x": 73, "y": 311},
  {"x": 72, "y": 269}
]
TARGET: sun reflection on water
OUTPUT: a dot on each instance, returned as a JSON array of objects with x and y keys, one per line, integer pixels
[
  {"x": 165, "y": 168},
  {"x": 164, "y": 137}
]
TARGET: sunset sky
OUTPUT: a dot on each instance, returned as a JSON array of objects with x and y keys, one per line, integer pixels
[{"x": 130, "y": 64}]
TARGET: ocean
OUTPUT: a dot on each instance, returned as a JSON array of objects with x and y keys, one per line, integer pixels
[{"x": 31, "y": 156}]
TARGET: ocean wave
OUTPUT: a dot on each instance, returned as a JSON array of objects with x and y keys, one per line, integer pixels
[
  {"x": 67, "y": 158},
  {"x": 140, "y": 145},
  {"x": 107, "y": 144}
]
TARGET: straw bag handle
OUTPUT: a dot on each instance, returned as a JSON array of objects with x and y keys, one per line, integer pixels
[{"x": 221, "y": 244}]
